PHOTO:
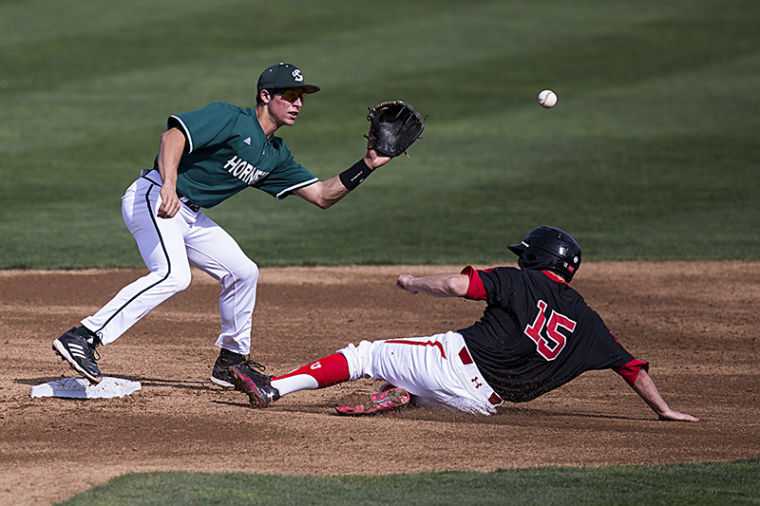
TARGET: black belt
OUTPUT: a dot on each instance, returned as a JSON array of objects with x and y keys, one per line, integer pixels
[{"x": 189, "y": 203}]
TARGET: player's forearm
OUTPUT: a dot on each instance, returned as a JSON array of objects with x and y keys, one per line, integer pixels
[
  {"x": 645, "y": 387},
  {"x": 323, "y": 193},
  {"x": 169, "y": 154},
  {"x": 436, "y": 285},
  {"x": 326, "y": 193}
]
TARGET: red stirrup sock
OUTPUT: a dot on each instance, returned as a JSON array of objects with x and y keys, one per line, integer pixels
[{"x": 321, "y": 373}]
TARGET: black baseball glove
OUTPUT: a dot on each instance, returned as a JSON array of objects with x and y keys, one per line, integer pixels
[{"x": 393, "y": 127}]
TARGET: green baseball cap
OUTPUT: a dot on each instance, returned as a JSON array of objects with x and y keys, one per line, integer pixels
[{"x": 284, "y": 76}]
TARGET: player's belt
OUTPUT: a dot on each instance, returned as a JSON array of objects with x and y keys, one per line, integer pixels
[
  {"x": 189, "y": 203},
  {"x": 466, "y": 359}
]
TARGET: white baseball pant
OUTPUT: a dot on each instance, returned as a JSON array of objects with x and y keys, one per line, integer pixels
[
  {"x": 437, "y": 370},
  {"x": 169, "y": 246}
]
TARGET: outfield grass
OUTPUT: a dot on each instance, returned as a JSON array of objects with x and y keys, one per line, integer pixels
[
  {"x": 708, "y": 483},
  {"x": 651, "y": 153}
]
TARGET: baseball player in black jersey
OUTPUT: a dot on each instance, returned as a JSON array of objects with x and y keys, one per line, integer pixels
[{"x": 536, "y": 334}]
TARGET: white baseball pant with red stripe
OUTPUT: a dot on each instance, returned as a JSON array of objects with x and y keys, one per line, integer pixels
[{"x": 437, "y": 370}]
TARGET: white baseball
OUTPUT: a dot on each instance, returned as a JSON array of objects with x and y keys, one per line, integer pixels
[{"x": 547, "y": 99}]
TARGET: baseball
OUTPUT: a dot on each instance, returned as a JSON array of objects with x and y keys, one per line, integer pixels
[{"x": 547, "y": 99}]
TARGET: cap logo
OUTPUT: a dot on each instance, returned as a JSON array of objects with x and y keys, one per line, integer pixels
[{"x": 297, "y": 76}]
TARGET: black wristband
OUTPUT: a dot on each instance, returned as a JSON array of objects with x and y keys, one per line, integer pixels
[{"x": 354, "y": 175}]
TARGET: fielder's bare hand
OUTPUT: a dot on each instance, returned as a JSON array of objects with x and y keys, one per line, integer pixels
[{"x": 170, "y": 203}]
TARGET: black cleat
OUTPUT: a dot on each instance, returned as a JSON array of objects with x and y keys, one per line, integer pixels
[
  {"x": 80, "y": 355},
  {"x": 221, "y": 375},
  {"x": 258, "y": 386}
]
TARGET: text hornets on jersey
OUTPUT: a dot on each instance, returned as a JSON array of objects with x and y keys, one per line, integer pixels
[{"x": 244, "y": 171}]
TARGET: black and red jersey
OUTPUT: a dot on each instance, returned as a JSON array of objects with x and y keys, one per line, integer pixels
[{"x": 537, "y": 334}]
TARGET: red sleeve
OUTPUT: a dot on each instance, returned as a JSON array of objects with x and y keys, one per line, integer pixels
[
  {"x": 630, "y": 371},
  {"x": 476, "y": 290}
]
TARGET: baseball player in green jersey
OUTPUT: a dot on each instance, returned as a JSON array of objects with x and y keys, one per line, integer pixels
[{"x": 205, "y": 157}]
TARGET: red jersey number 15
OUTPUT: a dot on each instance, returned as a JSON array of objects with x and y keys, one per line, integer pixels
[{"x": 550, "y": 343}]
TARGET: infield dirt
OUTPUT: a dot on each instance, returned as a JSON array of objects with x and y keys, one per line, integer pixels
[{"x": 696, "y": 323}]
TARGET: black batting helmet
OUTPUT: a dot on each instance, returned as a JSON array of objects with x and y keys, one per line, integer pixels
[{"x": 549, "y": 248}]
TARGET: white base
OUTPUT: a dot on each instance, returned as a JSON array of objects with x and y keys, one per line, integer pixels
[{"x": 80, "y": 388}]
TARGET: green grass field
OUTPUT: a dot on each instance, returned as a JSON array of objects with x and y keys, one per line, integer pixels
[
  {"x": 652, "y": 153},
  {"x": 708, "y": 483}
]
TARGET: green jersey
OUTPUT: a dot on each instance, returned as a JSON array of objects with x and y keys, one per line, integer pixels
[{"x": 227, "y": 151}]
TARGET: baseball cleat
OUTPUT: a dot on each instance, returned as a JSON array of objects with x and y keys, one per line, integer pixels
[
  {"x": 257, "y": 386},
  {"x": 80, "y": 355},
  {"x": 221, "y": 375},
  {"x": 388, "y": 400}
]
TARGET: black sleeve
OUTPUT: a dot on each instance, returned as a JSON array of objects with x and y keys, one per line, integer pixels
[
  {"x": 606, "y": 351},
  {"x": 497, "y": 284}
]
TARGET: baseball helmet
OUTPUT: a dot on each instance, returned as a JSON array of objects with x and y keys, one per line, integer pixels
[{"x": 549, "y": 248}]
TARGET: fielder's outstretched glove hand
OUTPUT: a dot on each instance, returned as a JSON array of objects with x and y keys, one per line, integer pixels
[{"x": 393, "y": 127}]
